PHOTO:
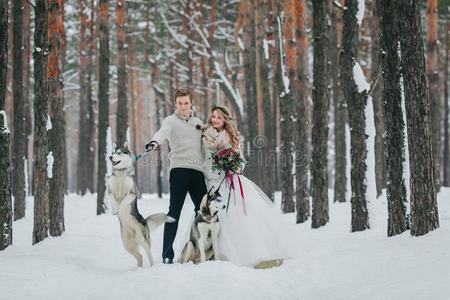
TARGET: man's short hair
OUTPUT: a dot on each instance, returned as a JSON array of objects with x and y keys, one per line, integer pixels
[{"x": 183, "y": 92}]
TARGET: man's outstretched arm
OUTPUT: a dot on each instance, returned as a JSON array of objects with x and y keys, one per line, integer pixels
[{"x": 159, "y": 137}]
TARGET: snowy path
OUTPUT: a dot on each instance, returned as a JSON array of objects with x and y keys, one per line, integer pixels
[{"x": 88, "y": 262}]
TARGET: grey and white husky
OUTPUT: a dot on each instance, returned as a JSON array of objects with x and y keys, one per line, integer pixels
[
  {"x": 123, "y": 195},
  {"x": 204, "y": 238}
]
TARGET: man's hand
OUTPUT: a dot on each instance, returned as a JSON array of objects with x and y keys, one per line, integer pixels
[{"x": 152, "y": 146}]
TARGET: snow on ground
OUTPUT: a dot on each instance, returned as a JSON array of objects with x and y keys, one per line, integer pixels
[{"x": 88, "y": 261}]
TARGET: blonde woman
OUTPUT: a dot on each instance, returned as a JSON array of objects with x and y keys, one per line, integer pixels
[{"x": 252, "y": 229}]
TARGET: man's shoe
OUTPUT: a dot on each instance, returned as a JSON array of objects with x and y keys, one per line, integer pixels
[{"x": 167, "y": 261}]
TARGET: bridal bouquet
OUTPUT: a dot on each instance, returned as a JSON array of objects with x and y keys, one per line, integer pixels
[
  {"x": 231, "y": 162},
  {"x": 227, "y": 160}
]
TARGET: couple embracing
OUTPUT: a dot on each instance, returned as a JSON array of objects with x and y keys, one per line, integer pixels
[{"x": 251, "y": 229}]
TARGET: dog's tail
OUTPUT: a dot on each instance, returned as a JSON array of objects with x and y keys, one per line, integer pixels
[{"x": 155, "y": 220}]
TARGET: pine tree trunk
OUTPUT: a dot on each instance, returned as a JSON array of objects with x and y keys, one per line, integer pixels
[
  {"x": 56, "y": 136},
  {"x": 340, "y": 111},
  {"x": 122, "y": 48},
  {"x": 364, "y": 37},
  {"x": 159, "y": 158},
  {"x": 9, "y": 90},
  {"x": 260, "y": 139},
  {"x": 204, "y": 107},
  {"x": 390, "y": 65},
  {"x": 446, "y": 155},
  {"x": 159, "y": 99},
  {"x": 356, "y": 103},
  {"x": 28, "y": 107},
  {"x": 41, "y": 202},
  {"x": 286, "y": 109},
  {"x": 189, "y": 32},
  {"x": 103, "y": 102},
  {"x": 83, "y": 142},
  {"x": 270, "y": 116},
  {"x": 434, "y": 86},
  {"x": 138, "y": 144},
  {"x": 259, "y": 56},
  {"x": 249, "y": 58},
  {"x": 274, "y": 55},
  {"x": 131, "y": 88},
  {"x": 89, "y": 119},
  {"x": 211, "y": 32},
  {"x": 424, "y": 210},
  {"x": 265, "y": 145},
  {"x": 6, "y": 210},
  {"x": 319, "y": 180},
  {"x": 19, "y": 139},
  {"x": 301, "y": 124},
  {"x": 377, "y": 81}
]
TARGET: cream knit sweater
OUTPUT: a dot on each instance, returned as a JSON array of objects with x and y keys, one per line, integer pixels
[{"x": 185, "y": 141}]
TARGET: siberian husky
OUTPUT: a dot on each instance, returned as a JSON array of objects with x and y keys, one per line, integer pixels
[
  {"x": 204, "y": 237},
  {"x": 123, "y": 194}
]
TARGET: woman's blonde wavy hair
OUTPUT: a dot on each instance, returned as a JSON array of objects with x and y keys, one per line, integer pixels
[{"x": 229, "y": 125}]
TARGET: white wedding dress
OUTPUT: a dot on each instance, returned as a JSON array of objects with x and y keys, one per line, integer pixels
[{"x": 252, "y": 229}]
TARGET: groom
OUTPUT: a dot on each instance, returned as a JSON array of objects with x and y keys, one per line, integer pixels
[{"x": 184, "y": 133}]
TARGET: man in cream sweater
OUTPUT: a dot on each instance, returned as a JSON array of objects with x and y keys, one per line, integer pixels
[{"x": 184, "y": 134}]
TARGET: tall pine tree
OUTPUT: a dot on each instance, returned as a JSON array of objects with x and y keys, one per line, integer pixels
[
  {"x": 41, "y": 123},
  {"x": 6, "y": 213},
  {"x": 319, "y": 180},
  {"x": 56, "y": 135},
  {"x": 103, "y": 103},
  {"x": 424, "y": 209},
  {"x": 356, "y": 103},
  {"x": 390, "y": 64}
]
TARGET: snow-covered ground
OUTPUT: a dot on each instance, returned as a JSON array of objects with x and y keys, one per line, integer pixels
[{"x": 88, "y": 261}]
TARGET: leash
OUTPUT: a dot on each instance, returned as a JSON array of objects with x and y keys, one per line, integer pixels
[
  {"x": 221, "y": 182},
  {"x": 229, "y": 194},
  {"x": 139, "y": 156},
  {"x": 232, "y": 188}
]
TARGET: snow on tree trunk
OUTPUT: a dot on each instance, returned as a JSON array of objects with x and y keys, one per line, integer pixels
[
  {"x": 319, "y": 175},
  {"x": 355, "y": 92},
  {"x": 424, "y": 209},
  {"x": 392, "y": 99},
  {"x": 41, "y": 202}
]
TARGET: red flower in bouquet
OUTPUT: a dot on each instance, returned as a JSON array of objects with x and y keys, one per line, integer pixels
[{"x": 227, "y": 160}]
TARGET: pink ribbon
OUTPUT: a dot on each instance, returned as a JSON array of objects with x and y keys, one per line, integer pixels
[{"x": 231, "y": 183}]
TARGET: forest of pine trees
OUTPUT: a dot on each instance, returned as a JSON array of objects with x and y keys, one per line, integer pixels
[{"x": 298, "y": 76}]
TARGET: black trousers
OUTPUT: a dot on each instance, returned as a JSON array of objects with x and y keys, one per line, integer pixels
[{"x": 182, "y": 181}]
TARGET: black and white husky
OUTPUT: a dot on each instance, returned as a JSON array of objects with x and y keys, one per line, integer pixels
[
  {"x": 123, "y": 194},
  {"x": 204, "y": 238}
]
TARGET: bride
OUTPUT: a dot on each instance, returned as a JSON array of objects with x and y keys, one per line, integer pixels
[{"x": 251, "y": 228}]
